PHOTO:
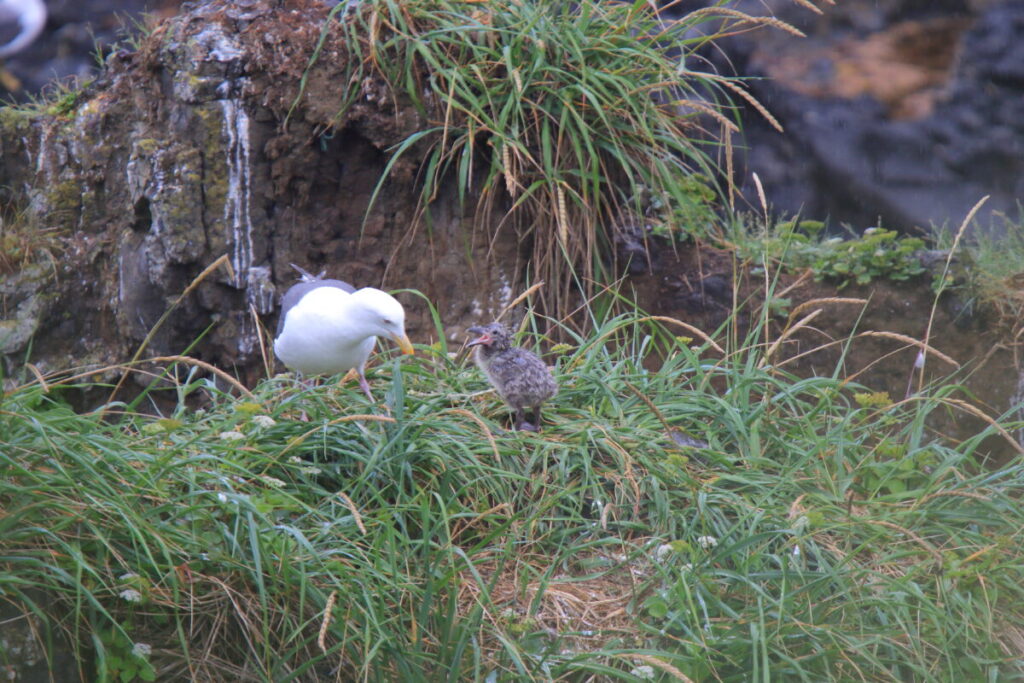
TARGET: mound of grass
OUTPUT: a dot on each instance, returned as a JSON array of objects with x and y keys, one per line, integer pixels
[
  {"x": 713, "y": 519},
  {"x": 987, "y": 268},
  {"x": 575, "y": 123}
]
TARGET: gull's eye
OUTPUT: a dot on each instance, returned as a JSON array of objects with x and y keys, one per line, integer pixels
[{"x": 387, "y": 322}]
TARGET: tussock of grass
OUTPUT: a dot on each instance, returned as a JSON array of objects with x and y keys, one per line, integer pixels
[
  {"x": 817, "y": 531},
  {"x": 987, "y": 269},
  {"x": 574, "y": 123}
]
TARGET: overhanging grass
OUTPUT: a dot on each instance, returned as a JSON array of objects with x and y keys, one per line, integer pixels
[
  {"x": 823, "y": 533},
  {"x": 574, "y": 123}
]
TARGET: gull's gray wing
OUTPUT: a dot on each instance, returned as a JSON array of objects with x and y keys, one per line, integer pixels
[{"x": 301, "y": 289}]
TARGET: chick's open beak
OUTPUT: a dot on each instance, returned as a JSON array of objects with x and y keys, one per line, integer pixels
[
  {"x": 404, "y": 344},
  {"x": 482, "y": 339}
]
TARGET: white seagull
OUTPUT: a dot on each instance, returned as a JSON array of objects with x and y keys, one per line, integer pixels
[{"x": 328, "y": 326}]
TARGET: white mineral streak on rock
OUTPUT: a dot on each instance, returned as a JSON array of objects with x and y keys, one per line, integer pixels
[
  {"x": 120, "y": 277},
  {"x": 147, "y": 177},
  {"x": 497, "y": 300},
  {"x": 248, "y": 337},
  {"x": 236, "y": 207},
  {"x": 238, "y": 220},
  {"x": 225, "y": 85},
  {"x": 44, "y": 138},
  {"x": 261, "y": 292}
]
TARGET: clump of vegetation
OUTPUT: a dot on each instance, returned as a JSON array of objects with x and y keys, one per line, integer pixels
[
  {"x": 988, "y": 267},
  {"x": 568, "y": 120},
  {"x": 21, "y": 243},
  {"x": 713, "y": 519},
  {"x": 875, "y": 254}
]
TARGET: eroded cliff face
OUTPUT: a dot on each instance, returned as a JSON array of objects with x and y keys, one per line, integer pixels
[{"x": 223, "y": 135}]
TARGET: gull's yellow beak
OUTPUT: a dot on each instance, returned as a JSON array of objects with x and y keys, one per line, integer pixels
[{"x": 404, "y": 344}]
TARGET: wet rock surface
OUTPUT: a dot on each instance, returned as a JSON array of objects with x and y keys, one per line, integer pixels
[
  {"x": 903, "y": 112},
  {"x": 24, "y": 656}
]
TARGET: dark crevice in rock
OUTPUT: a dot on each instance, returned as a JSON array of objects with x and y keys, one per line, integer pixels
[{"x": 143, "y": 216}]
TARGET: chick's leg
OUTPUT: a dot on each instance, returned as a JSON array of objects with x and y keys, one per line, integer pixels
[{"x": 522, "y": 424}]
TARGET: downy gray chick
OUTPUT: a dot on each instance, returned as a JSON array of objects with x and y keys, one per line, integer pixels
[{"x": 521, "y": 378}]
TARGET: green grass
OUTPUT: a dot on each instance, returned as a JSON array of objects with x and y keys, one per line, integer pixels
[
  {"x": 572, "y": 123},
  {"x": 823, "y": 533},
  {"x": 987, "y": 272}
]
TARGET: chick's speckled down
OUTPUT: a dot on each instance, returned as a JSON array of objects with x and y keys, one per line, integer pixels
[{"x": 519, "y": 376}]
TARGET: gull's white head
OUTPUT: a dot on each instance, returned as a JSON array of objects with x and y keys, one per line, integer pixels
[{"x": 382, "y": 315}]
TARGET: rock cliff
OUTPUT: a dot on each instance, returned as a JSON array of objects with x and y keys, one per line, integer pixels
[{"x": 233, "y": 129}]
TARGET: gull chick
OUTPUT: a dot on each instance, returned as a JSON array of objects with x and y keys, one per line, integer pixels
[
  {"x": 328, "y": 326},
  {"x": 522, "y": 379}
]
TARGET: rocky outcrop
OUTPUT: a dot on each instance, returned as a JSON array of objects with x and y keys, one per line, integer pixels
[
  {"x": 223, "y": 135},
  {"x": 904, "y": 112},
  {"x": 32, "y": 651}
]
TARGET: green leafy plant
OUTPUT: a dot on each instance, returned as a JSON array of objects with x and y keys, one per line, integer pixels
[
  {"x": 875, "y": 254},
  {"x": 124, "y": 660},
  {"x": 878, "y": 253}
]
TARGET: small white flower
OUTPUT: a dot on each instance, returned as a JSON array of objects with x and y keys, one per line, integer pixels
[
  {"x": 707, "y": 542},
  {"x": 870, "y": 231},
  {"x": 264, "y": 421},
  {"x": 311, "y": 470},
  {"x": 296, "y": 460},
  {"x": 644, "y": 672},
  {"x": 128, "y": 576},
  {"x": 663, "y": 552},
  {"x": 796, "y": 551},
  {"x": 142, "y": 650},
  {"x": 131, "y": 595},
  {"x": 272, "y": 481},
  {"x": 231, "y": 436},
  {"x": 222, "y": 497}
]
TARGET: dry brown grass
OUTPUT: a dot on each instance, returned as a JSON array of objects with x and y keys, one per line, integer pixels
[{"x": 583, "y": 608}]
